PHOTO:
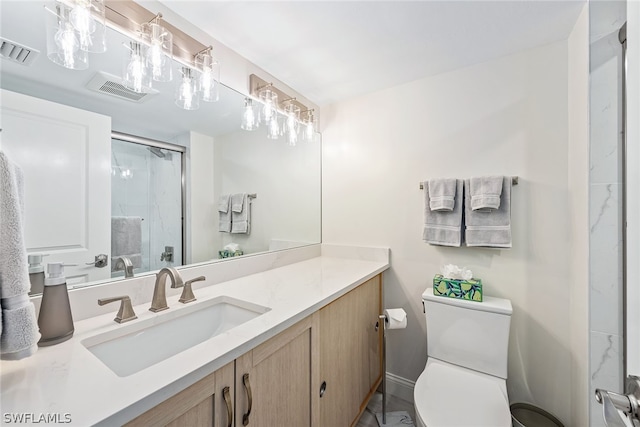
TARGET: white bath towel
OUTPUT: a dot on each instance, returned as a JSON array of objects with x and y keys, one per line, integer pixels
[
  {"x": 443, "y": 228},
  {"x": 489, "y": 228},
  {"x": 442, "y": 193},
  {"x": 19, "y": 328},
  {"x": 485, "y": 192},
  {"x": 240, "y": 213},
  {"x": 224, "y": 213},
  {"x": 126, "y": 239}
]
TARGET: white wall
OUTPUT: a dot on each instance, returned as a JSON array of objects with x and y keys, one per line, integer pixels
[
  {"x": 204, "y": 216},
  {"x": 578, "y": 174},
  {"x": 287, "y": 183},
  {"x": 507, "y": 116}
]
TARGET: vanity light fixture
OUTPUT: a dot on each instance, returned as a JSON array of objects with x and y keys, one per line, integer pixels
[
  {"x": 187, "y": 91},
  {"x": 284, "y": 118},
  {"x": 159, "y": 53},
  {"x": 249, "y": 118},
  {"x": 209, "y": 69}
]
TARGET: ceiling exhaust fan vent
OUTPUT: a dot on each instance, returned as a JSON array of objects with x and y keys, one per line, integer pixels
[
  {"x": 17, "y": 53},
  {"x": 109, "y": 84}
]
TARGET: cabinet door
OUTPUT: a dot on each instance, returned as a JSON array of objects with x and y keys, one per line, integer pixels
[
  {"x": 204, "y": 404},
  {"x": 275, "y": 382},
  {"x": 350, "y": 362}
]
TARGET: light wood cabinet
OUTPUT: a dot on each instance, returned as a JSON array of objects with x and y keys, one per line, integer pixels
[
  {"x": 203, "y": 404},
  {"x": 350, "y": 350},
  {"x": 281, "y": 376},
  {"x": 278, "y": 383}
]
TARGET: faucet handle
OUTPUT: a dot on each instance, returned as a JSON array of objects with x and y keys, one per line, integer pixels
[
  {"x": 126, "y": 312},
  {"x": 187, "y": 292}
]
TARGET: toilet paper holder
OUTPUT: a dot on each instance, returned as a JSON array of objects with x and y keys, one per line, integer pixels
[{"x": 385, "y": 325}]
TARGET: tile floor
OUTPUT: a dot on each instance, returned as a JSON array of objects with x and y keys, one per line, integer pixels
[{"x": 368, "y": 418}]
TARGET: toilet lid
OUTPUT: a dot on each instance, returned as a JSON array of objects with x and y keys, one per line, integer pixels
[{"x": 451, "y": 396}]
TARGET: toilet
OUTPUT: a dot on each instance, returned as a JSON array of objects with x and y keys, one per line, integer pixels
[{"x": 464, "y": 381}]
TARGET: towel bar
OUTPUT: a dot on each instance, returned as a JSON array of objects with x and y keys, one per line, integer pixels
[{"x": 514, "y": 181}]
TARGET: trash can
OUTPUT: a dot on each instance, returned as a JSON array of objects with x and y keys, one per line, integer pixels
[{"x": 526, "y": 415}]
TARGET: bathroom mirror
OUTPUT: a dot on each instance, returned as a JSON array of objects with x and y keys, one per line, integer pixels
[{"x": 162, "y": 162}]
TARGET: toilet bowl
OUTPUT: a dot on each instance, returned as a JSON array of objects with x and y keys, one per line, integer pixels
[
  {"x": 448, "y": 395},
  {"x": 464, "y": 381}
]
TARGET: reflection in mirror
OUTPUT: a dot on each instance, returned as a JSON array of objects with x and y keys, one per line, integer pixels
[{"x": 165, "y": 184}]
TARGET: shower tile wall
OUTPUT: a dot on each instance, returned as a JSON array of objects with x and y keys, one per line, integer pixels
[
  {"x": 605, "y": 195},
  {"x": 149, "y": 186},
  {"x": 130, "y": 188}
]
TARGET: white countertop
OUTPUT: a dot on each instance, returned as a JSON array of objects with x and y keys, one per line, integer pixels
[{"x": 68, "y": 379}]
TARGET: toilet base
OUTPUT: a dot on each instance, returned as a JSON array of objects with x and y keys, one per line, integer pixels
[{"x": 395, "y": 419}]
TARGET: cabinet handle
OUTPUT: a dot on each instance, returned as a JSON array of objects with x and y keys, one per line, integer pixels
[
  {"x": 247, "y": 388},
  {"x": 227, "y": 400}
]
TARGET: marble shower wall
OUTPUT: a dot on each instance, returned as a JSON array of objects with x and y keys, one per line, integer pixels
[
  {"x": 145, "y": 185},
  {"x": 605, "y": 196}
]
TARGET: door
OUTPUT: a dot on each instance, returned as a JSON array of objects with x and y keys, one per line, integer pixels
[
  {"x": 276, "y": 382},
  {"x": 623, "y": 410},
  {"x": 63, "y": 152}
]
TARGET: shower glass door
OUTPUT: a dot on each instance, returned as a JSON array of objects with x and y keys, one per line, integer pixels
[{"x": 146, "y": 205}]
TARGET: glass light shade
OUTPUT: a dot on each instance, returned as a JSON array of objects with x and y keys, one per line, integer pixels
[
  {"x": 249, "y": 117},
  {"x": 88, "y": 19},
  {"x": 187, "y": 91},
  {"x": 159, "y": 52},
  {"x": 209, "y": 69},
  {"x": 269, "y": 101},
  {"x": 291, "y": 123},
  {"x": 135, "y": 75},
  {"x": 63, "y": 44},
  {"x": 309, "y": 127}
]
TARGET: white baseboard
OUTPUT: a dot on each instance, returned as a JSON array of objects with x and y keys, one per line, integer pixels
[{"x": 400, "y": 387}]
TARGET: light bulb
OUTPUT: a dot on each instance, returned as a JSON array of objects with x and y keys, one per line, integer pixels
[
  {"x": 156, "y": 60},
  {"x": 67, "y": 44},
  {"x": 249, "y": 121},
  {"x": 81, "y": 18},
  {"x": 209, "y": 75},
  {"x": 309, "y": 131},
  {"x": 186, "y": 94},
  {"x": 273, "y": 130},
  {"x": 269, "y": 100},
  {"x": 135, "y": 72}
]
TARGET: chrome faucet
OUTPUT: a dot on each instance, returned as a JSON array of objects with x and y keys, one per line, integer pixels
[
  {"x": 159, "y": 301},
  {"x": 124, "y": 263}
]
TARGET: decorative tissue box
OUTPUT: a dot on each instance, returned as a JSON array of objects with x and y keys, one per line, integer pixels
[
  {"x": 228, "y": 254},
  {"x": 462, "y": 289}
]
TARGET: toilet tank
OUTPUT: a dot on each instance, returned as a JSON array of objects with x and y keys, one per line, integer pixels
[{"x": 470, "y": 334}]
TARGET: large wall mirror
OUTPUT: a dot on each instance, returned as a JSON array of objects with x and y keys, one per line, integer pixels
[{"x": 142, "y": 181}]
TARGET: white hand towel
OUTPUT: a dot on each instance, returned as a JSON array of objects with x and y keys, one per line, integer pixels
[
  {"x": 442, "y": 193},
  {"x": 443, "y": 228},
  {"x": 126, "y": 239},
  {"x": 19, "y": 330},
  {"x": 485, "y": 192},
  {"x": 240, "y": 214},
  {"x": 224, "y": 213},
  {"x": 489, "y": 228}
]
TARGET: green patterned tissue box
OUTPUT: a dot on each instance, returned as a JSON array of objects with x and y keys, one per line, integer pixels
[{"x": 462, "y": 289}]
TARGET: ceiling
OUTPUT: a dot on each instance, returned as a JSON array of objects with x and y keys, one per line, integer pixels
[{"x": 329, "y": 51}]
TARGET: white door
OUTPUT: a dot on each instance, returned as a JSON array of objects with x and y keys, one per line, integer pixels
[{"x": 65, "y": 155}]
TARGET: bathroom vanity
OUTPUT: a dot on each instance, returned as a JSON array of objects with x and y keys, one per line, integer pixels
[{"x": 313, "y": 358}]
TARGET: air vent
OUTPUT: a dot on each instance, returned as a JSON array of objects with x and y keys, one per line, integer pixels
[
  {"x": 17, "y": 53},
  {"x": 106, "y": 83}
]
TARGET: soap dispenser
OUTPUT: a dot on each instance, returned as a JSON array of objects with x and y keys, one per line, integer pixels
[
  {"x": 55, "y": 320},
  {"x": 36, "y": 273}
]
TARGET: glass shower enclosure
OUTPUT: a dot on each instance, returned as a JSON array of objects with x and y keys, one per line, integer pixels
[{"x": 147, "y": 199}]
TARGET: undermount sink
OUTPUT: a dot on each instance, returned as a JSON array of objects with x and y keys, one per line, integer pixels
[{"x": 137, "y": 346}]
